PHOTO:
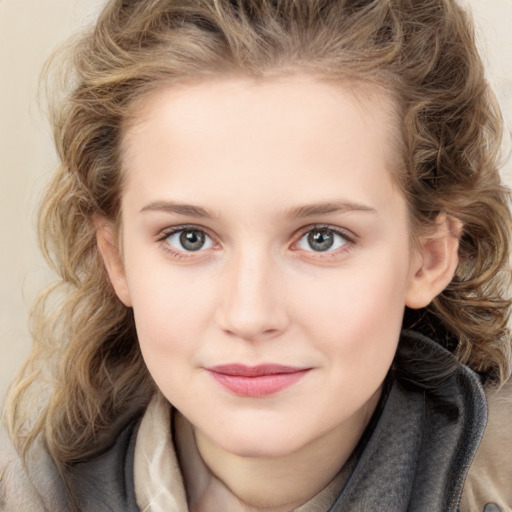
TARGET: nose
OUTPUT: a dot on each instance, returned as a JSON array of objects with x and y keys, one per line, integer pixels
[{"x": 252, "y": 302}]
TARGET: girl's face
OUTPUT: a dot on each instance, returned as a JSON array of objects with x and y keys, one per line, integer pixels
[{"x": 267, "y": 256}]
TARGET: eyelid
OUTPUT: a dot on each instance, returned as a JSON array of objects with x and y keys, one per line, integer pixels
[
  {"x": 167, "y": 232},
  {"x": 183, "y": 254},
  {"x": 349, "y": 236},
  {"x": 345, "y": 233}
]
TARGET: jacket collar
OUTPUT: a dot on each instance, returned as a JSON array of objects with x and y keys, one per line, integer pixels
[{"x": 424, "y": 441}]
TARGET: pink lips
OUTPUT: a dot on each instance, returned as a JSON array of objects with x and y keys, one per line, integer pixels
[{"x": 256, "y": 381}]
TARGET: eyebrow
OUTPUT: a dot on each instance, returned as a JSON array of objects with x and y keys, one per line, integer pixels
[
  {"x": 328, "y": 207},
  {"x": 298, "y": 212},
  {"x": 181, "y": 209}
]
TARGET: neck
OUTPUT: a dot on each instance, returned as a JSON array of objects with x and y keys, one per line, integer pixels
[{"x": 270, "y": 484}]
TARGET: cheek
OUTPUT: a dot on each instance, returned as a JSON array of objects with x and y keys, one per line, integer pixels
[
  {"x": 356, "y": 314},
  {"x": 171, "y": 310},
  {"x": 169, "y": 333}
]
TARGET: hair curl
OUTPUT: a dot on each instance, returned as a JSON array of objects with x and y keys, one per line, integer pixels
[{"x": 85, "y": 344}]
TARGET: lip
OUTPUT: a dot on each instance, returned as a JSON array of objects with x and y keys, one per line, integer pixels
[{"x": 256, "y": 381}]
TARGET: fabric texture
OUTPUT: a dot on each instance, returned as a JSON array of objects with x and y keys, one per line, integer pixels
[
  {"x": 489, "y": 481},
  {"x": 158, "y": 481},
  {"x": 416, "y": 458},
  {"x": 159, "y": 484}
]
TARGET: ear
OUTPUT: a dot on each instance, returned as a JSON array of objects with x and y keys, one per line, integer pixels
[
  {"x": 435, "y": 262},
  {"x": 108, "y": 246}
]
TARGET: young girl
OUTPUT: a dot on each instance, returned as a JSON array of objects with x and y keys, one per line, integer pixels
[{"x": 283, "y": 247}]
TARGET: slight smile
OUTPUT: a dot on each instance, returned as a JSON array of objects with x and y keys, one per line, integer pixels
[{"x": 256, "y": 381}]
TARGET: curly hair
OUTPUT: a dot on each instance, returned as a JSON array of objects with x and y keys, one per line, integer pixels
[{"x": 423, "y": 53}]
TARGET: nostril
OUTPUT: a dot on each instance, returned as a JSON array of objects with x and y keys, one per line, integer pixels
[
  {"x": 270, "y": 332},
  {"x": 252, "y": 334}
]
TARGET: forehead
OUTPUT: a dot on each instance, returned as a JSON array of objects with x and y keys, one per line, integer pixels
[
  {"x": 195, "y": 106},
  {"x": 294, "y": 138}
]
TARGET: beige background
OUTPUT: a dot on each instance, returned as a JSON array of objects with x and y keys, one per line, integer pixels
[{"x": 29, "y": 31}]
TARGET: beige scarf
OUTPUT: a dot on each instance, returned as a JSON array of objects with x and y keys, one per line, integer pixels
[{"x": 159, "y": 483}]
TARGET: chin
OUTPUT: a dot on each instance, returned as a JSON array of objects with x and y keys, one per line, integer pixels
[{"x": 261, "y": 444}]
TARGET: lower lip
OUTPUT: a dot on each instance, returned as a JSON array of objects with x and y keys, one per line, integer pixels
[{"x": 258, "y": 386}]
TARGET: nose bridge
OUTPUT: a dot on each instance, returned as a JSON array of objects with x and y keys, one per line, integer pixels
[{"x": 252, "y": 303}]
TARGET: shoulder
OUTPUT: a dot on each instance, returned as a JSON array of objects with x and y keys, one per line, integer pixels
[
  {"x": 99, "y": 483},
  {"x": 17, "y": 489},
  {"x": 105, "y": 480},
  {"x": 489, "y": 480}
]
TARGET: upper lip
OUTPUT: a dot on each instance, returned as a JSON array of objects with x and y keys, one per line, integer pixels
[{"x": 242, "y": 370}]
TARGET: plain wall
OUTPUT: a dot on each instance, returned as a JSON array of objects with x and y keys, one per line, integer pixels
[{"x": 29, "y": 31}]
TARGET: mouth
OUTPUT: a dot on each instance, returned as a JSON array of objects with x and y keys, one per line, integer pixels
[{"x": 256, "y": 381}]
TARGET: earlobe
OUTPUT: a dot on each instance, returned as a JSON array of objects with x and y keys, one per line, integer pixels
[
  {"x": 435, "y": 263},
  {"x": 112, "y": 258}
]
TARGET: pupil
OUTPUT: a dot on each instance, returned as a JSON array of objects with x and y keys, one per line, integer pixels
[
  {"x": 192, "y": 240},
  {"x": 321, "y": 240}
]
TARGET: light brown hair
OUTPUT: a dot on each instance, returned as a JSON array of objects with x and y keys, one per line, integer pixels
[{"x": 423, "y": 53}]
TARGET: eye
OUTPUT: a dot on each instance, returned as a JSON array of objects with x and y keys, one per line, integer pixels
[
  {"x": 322, "y": 240},
  {"x": 189, "y": 240}
]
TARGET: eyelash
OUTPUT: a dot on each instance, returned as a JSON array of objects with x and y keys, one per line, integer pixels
[
  {"x": 349, "y": 237},
  {"x": 180, "y": 255},
  {"x": 350, "y": 241}
]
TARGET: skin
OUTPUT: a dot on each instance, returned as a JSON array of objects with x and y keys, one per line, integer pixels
[{"x": 256, "y": 166}]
